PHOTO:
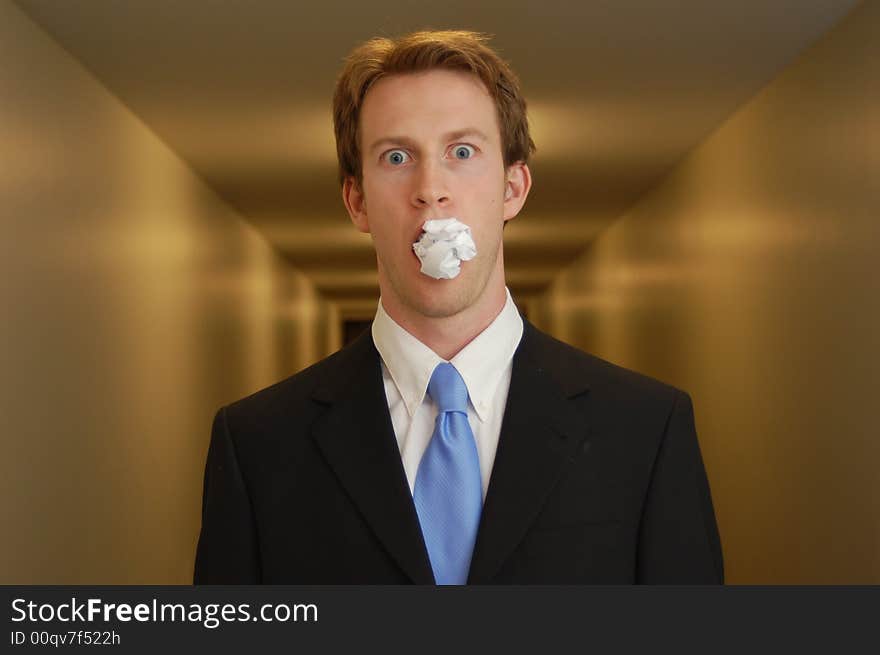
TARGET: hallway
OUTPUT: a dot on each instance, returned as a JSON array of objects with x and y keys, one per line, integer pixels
[{"x": 704, "y": 211}]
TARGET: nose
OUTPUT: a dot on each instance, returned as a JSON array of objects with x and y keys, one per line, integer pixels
[{"x": 430, "y": 187}]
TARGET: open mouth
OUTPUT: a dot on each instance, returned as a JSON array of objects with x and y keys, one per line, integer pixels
[
  {"x": 442, "y": 247},
  {"x": 420, "y": 230}
]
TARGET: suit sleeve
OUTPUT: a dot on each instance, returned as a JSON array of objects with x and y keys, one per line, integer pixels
[
  {"x": 227, "y": 552},
  {"x": 678, "y": 536}
]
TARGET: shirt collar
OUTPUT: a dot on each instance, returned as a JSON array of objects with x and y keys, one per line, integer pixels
[{"x": 481, "y": 363}]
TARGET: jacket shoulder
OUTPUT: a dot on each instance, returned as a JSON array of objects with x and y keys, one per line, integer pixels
[
  {"x": 574, "y": 370},
  {"x": 291, "y": 395}
]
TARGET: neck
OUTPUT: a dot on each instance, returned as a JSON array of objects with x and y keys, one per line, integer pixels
[{"x": 447, "y": 335}]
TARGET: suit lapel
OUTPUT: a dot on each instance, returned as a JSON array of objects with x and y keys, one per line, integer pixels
[
  {"x": 357, "y": 439},
  {"x": 540, "y": 434}
]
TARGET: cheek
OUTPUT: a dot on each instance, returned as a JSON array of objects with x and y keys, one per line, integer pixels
[
  {"x": 487, "y": 202},
  {"x": 487, "y": 237},
  {"x": 380, "y": 210},
  {"x": 489, "y": 188}
]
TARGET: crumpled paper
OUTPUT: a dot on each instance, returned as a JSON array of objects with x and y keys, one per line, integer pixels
[{"x": 444, "y": 244}]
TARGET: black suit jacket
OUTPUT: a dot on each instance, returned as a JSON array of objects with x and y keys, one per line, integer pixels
[{"x": 598, "y": 478}]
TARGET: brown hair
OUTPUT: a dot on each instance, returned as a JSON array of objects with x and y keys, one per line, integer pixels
[{"x": 423, "y": 51}]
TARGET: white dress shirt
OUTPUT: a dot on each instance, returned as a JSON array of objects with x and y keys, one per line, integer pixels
[{"x": 485, "y": 364}]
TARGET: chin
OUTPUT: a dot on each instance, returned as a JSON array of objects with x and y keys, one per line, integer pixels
[
  {"x": 432, "y": 298},
  {"x": 441, "y": 308},
  {"x": 442, "y": 298}
]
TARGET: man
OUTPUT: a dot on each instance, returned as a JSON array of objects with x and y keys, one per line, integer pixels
[{"x": 454, "y": 442}]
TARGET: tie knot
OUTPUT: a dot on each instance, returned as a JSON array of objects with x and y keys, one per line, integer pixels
[{"x": 448, "y": 389}]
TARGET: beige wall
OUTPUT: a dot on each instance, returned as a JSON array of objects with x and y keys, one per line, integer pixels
[
  {"x": 749, "y": 278},
  {"x": 135, "y": 302}
]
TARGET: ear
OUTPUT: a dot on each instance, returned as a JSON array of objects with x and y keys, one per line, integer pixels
[
  {"x": 355, "y": 203},
  {"x": 518, "y": 181}
]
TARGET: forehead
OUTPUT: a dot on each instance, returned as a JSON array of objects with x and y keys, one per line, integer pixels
[{"x": 426, "y": 103}]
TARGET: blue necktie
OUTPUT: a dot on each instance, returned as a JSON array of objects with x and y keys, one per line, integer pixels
[{"x": 448, "y": 492}]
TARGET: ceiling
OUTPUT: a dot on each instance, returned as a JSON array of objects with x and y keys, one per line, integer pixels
[{"x": 618, "y": 92}]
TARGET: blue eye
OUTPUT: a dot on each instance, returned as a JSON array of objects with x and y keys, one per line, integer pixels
[
  {"x": 396, "y": 157},
  {"x": 464, "y": 152}
]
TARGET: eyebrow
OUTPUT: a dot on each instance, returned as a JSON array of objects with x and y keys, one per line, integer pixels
[{"x": 449, "y": 136}]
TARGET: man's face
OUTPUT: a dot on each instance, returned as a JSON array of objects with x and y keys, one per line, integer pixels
[{"x": 431, "y": 149}]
